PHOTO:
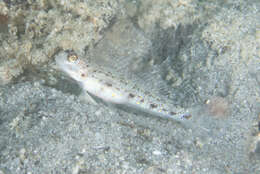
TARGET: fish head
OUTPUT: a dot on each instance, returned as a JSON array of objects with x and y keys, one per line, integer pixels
[{"x": 72, "y": 65}]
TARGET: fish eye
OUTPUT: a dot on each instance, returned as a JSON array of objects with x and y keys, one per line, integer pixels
[{"x": 72, "y": 57}]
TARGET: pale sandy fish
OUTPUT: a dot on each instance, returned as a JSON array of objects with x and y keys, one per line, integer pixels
[{"x": 107, "y": 87}]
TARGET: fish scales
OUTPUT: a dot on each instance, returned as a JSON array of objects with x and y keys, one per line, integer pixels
[{"x": 109, "y": 88}]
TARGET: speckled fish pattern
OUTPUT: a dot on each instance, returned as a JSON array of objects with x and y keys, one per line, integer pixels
[{"x": 107, "y": 87}]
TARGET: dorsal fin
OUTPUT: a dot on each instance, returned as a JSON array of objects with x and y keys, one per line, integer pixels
[
  {"x": 122, "y": 48},
  {"x": 125, "y": 51}
]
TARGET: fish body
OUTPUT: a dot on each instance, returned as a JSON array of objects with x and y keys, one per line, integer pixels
[{"x": 107, "y": 87}]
